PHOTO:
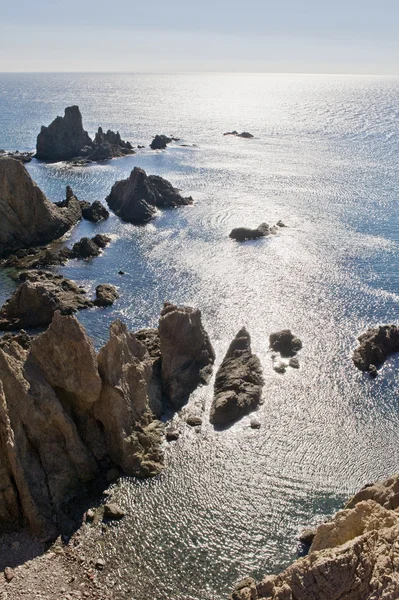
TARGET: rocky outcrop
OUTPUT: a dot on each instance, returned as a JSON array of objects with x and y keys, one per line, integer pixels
[
  {"x": 106, "y": 295},
  {"x": 136, "y": 199},
  {"x": 242, "y": 234},
  {"x": 376, "y": 344},
  {"x": 285, "y": 342},
  {"x": 238, "y": 382},
  {"x": 38, "y": 297},
  {"x": 354, "y": 556},
  {"x": 133, "y": 438},
  {"x": 23, "y": 157},
  {"x": 244, "y": 134},
  {"x": 95, "y": 212},
  {"x": 187, "y": 353},
  {"x": 161, "y": 141},
  {"x": 27, "y": 217},
  {"x": 65, "y": 139}
]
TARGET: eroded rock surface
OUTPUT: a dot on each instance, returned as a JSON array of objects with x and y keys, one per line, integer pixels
[
  {"x": 285, "y": 342},
  {"x": 376, "y": 344},
  {"x": 187, "y": 353},
  {"x": 238, "y": 382},
  {"x": 106, "y": 295},
  {"x": 38, "y": 297},
  {"x": 27, "y": 217},
  {"x": 136, "y": 199}
]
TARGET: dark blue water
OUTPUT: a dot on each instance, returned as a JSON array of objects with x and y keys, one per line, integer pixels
[{"x": 325, "y": 161}]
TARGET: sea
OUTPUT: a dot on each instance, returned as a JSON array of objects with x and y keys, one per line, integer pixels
[{"x": 325, "y": 160}]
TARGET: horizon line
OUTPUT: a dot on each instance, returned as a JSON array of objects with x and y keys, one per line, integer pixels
[{"x": 319, "y": 73}]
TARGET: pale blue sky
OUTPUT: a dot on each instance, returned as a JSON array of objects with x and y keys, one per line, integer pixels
[{"x": 352, "y": 36}]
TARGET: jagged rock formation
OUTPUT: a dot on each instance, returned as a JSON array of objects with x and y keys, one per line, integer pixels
[
  {"x": 238, "y": 382},
  {"x": 27, "y": 217},
  {"x": 95, "y": 212},
  {"x": 285, "y": 342},
  {"x": 38, "y": 297},
  {"x": 161, "y": 141},
  {"x": 187, "y": 353},
  {"x": 376, "y": 344},
  {"x": 106, "y": 295},
  {"x": 354, "y": 556},
  {"x": 136, "y": 199},
  {"x": 23, "y": 157},
  {"x": 65, "y": 139}
]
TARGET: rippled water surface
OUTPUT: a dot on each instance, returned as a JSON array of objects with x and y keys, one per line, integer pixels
[{"x": 325, "y": 161}]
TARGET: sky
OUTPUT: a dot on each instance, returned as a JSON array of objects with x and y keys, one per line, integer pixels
[{"x": 296, "y": 36}]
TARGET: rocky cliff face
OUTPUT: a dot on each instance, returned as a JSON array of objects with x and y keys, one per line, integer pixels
[
  {"x": 27, "y": 217},
  {"x": 65, "y": 139},
  {"x": 68, "y": 414},
  {"x": 136, "y": 199},
  {"x": 355, "y": 556}
]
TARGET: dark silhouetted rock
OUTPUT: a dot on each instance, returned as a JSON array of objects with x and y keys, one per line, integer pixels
[
  {"x": 244, "y": 134},
  {"x": 294, "y": 363},
  {"x": 38, "y": 297},
  {"x": 27, "y": 217},
  {"x": 241, "y": 234},
  {"x": 187, "y": 353},
  {"x": 160, "y": 142},
  {"x": 238, "y": 382},
  {"x": 106, "y": 295},
  {"x": 95, "y": 212},
  {"x": 113, "y": 512},
  {"x": 65, "y": 139},
  {"x": 376, "y": 344},
  {"x": 285, "y": 342},
  {"x": 23, "y": 157},
  {"x": 85, "y": 248},
  {"x": 135, "y": 199}
]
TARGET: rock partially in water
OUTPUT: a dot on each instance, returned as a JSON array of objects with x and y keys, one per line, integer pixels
[
  {"x": 27, "y": 217},
  {"x": 386, "y": 493},
  {"x": 136, "y": 199},
  {"x": 95, "y": 212},
  {"x": 23, "y": 157},
  {"x": 294, "y": 363},
  {"x": 65, "y": 139},
  {"x": 187, "y": 353},
  {"x": 242, "y": 234},
  {"x": 38, "y": 297},
  {"x": 376, "y": 344},
  {"x": 244, "y": 134},
  {"x": 160, "y": 142},
  {"x": 238, "y": 382},
  {"x": 106, "y": 295},
  {"x": 285, "y": 342},
  {"x": 113, "y": 511},
  {"x": 280, "y": 367}
]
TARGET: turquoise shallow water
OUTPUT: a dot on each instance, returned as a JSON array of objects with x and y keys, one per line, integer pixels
[{"x": 324, "y": 161}]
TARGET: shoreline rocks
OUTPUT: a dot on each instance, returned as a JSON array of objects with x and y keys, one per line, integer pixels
[
  {"x": 238, "y": 382},
  {"x": 376, "y": 344},
  {"x": 27, "y": 217},
  {"x": 353, "y": 556},
  {"x": 136, "y": 199},
  {"x": 66, "y": 140},
  {"x": 23, "y": 157}
]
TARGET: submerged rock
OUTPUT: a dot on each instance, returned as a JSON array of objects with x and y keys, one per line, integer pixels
[
  {"x": 27, "y": 217},
  {"x": 106, "y": 295},
  {"x": 244, "y": 134},
  {"x": 38, "y": 297},
  {"x": 241, "y": 234},
  {"x": 376, "y": 344},
  {"x": 285, "y": 342},
  {"x": 187, "y": 353},
  {"x": 238, "y": 382},
  {"x": 65, "y": 139},
  {"x": 136, "y": 199}
]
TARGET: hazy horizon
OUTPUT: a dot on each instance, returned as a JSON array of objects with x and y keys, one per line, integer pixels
[{"x": 156, "y": 37}]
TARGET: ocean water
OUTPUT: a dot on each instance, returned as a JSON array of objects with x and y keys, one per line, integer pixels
[{"x": 324, "y": 160}]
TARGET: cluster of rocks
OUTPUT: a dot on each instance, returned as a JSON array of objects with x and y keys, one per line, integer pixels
[
  {"x": 23, "y": 157},
  {"x": 242, "y": 234},
  {"x": 161, "y": 141},
  {"x": 286, "y": 344},
  {"x": 244, "y": 134},
  {"x": 376, "y": 344},
  {"x": 67, "y": 413},
  {"x": 93, "y": 212},
  {"x": 137, "y": 198},
  {"x": 354, "y": 556},
  {"x": 65, "y": 139}
]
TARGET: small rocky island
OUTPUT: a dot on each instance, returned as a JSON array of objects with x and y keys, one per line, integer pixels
[
  {"x": 137, "y": 198},
  {"x": 65, "y": 139},
  {"x": 375, "y": 346}
]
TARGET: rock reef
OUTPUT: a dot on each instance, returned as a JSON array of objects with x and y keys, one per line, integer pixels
[
  {"x": 244, "y": 134},
  {"x": 65, "y": 139},
  {"x": 136, "y": 199},
  {"x": 376, "y": 344},
  {"x": 243, "y": 234},
  {"x": 238, "y": 382},
  {"x": 354, "y": 556},
  {"x": 27, "y": 217}
]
